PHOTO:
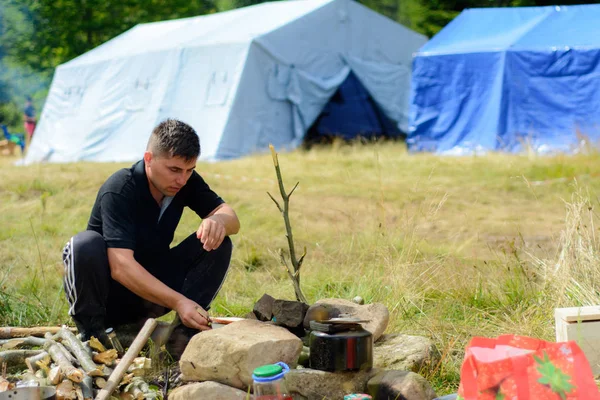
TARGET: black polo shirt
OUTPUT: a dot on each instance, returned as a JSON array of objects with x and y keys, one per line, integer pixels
[{"x": 127, "y": 216}]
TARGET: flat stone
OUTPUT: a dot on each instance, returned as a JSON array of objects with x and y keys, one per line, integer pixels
[
  {"x": 404, "y": 352},
  {"x": 311, "y": 384},
  {"x": 208, "y": 390},
  {"x": 405, "y": 385}
]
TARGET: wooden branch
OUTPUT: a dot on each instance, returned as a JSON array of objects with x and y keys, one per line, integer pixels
[
  {"x": 78, "y": 392},
  {"x": 5, "y": 384},
  {"x": 34, "y": 363},
  {"x": 107, "y": 371},
  {"x": 295, "y": 276},
  {"x": 15, "y": 357},
  {"x": 140, "y": 366},
  {"x": 107, "y": 357},
  {"x": 132, "y": 352},
  {"x": 80, "y": 353},
  {"x": 55, "y": 376},
  {"x": 275, "y": 201},
  {"x": 294, "y": 188},
  {"x": 28, "y": 376},
  {"x": 66, "y": 390},
  {"x": 97, "y": 345},
  {"x": 8, "y": 344},
  {"x": 59, "y": 357},
  {"x": 9, "y": 332},
  {"x": 68, "y": 352},
  {"x": 301, "y": 259},
  {"x": 140, "y": 389},
  {"x": 100, "y": 382},
  {"x": 87, "y": 386}
]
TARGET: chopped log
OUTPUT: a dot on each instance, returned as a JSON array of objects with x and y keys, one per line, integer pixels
[
  {"x": 68, "y": 352},
  {"x": 66, "y": 367},
  {"x": 8, "y": 344},
  {"x": 126, "y": 379},
  {"x": 40, "y": 373},
  {"x": 107, "y": 371},
  {"x": 86, "y": 388},
  {"x": 8, "y": 332},
  {"x": 55, "y": 376},
  {"x": 29, "y": 377},
  {"x": 80, "y": 353},
  {"x": 15, "y": 357},
  {"x": 97, "y": 345},
  {"x": 66, "y": 391},
  {"x": 132, "y": 352},
  {"x": 34, "y": 363},
  {"x": 140, "y": 389},
  {"x": 107, "y": 357},
  {"x": 140, "y": 366},
  {"x": 79, "y": 392},
  {"x": 100, "y": 382},
  {"x": 5, "y": 384}
]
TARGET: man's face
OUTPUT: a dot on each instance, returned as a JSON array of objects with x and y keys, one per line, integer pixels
[{"x": 168, "y": 174}]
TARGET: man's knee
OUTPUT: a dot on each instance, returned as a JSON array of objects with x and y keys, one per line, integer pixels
[
  {"x": 89, "y": 246},
  {"x": 226, "y": 246}
]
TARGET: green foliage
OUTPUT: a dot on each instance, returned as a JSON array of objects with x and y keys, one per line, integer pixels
[
  {"x": 246, "y": 3},
  {"x": 10, "y": 115},
  {"x": 44, "y": 34}
]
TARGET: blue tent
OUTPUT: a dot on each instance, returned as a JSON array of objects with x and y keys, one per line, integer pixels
[{"x": 507, "y": 79}]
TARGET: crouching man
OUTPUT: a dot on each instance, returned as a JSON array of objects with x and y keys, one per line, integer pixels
[{"x": 121, "y": 270}]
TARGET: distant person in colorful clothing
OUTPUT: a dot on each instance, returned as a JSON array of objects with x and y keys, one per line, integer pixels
[{"x": 29, "y": 118}]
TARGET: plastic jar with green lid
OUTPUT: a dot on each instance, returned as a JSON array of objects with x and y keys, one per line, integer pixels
[{"x": 268, "y": 382}]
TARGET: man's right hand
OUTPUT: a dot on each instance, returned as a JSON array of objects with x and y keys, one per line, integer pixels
[{"x": 192, "y": 315}]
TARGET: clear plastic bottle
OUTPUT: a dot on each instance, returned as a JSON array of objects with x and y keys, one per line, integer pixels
[
  {"x": 268, "y": 382},
  {"x": 114, "y": 341}
]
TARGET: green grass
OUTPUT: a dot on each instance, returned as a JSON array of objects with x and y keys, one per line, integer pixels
[{"x": 453, "y": 246}]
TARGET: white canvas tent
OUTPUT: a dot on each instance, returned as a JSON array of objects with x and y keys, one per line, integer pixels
[{"x": 243, "y": 79}]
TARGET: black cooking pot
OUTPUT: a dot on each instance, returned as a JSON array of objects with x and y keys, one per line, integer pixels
[{"x": 345, "y": 347}]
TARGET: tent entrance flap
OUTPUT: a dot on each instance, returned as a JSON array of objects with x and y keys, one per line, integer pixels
[{"x": 350, "y": 113}]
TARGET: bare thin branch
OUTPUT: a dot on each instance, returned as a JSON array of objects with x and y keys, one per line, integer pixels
[
  {"x": 275, "y": 201},
  {"x": 295, "y": 186}
]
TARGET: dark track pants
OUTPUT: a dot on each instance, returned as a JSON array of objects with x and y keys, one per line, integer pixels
[{"x": 91, "y": 292}]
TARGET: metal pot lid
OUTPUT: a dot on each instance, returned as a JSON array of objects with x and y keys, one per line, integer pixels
[
  {"x": 29, "y": 393},
  {"x": 342, "y": 321}
]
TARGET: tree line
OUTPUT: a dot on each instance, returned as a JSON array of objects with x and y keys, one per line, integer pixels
[{"x": 38, "y": 35}]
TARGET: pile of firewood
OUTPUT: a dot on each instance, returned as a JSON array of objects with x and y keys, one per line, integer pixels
[{"x": 79, "y": 370}]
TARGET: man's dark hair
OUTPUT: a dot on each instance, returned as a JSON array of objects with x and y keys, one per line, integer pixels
[{"x": 173, "y": 138}]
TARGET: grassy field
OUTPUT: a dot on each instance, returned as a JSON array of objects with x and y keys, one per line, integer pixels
[{"x": 453, "y": 246}]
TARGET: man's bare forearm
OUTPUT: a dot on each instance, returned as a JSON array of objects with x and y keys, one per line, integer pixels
[{"x": 228, "y": 218}]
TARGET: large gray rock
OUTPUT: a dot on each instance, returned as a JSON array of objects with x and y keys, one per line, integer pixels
[
  {"x": 404, "y": 352},
  {"x": 208, "y": 390},
  {"x": 376, "y": 313},
  {"x": 229, "y": 355},
  {"x": 405, "y": 385},
  {"x": 311, "y": 384}
]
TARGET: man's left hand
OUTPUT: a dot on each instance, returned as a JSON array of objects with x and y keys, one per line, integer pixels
[{"x": 211, "y": 233}]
